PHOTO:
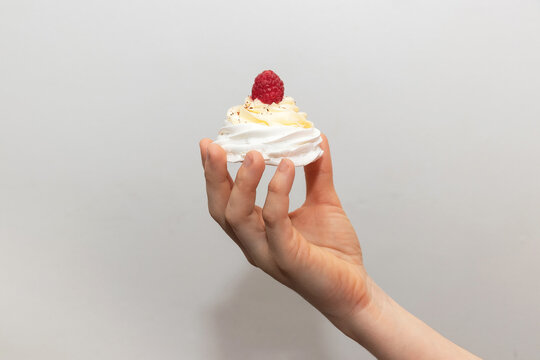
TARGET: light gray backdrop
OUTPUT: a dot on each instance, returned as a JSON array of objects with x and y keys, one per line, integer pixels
[{"x": 106, "y": 248}]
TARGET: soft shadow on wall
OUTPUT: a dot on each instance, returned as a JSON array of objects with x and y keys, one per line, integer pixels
[{"x": 262, "y": 319}]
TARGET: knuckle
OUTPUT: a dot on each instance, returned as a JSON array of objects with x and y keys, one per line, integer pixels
[
  {"x": 240, "y": 181},
  {"x": 273, "y": 187},
  {"x": 244, "y": 185},
  {"x": 206, "y": 175},
  {"x": 269, "y": 216},
  {"x": 214, "y": 214},
  {"x": 231, "y": 217},
  {"x": 251, "y": 261}
]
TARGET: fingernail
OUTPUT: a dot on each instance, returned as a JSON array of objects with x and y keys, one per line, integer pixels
[
  {"x": 248, "y": 160},
  {"x": 283, "y": 166}
]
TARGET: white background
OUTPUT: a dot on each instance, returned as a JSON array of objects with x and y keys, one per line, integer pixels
[{"x": 106, "y": 248}]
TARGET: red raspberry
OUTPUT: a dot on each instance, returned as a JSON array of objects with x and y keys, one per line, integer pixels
[{"x": 267, "y": 87}]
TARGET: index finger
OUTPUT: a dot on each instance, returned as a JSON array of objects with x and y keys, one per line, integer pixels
[{"x": 218, "y": 180}]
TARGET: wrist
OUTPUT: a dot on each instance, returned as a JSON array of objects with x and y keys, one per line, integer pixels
[
  {"x": 366, "y": 314},
  {"x": 388, "y": 331}
]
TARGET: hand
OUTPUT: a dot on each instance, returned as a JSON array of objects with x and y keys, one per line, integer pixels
[{"x": 313, "y": 250}]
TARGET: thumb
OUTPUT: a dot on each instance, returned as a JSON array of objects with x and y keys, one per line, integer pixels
[{"x": 319, "y": 179}]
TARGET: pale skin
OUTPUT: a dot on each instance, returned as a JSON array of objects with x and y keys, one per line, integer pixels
[{"x": 314, "y": 251}]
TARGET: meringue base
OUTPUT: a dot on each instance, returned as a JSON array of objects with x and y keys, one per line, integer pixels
[{"x": 274, "y": 143}]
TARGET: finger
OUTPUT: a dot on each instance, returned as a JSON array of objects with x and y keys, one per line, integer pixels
[
  {"x": 279, "y": 229},
  {"x": 218, "y": 187},
  {"x": 242, "y": 199},
  {"x": 240, "y": 213},
  {"x": 203, "y": 145},
  {"x": 218, "y": 182},
  {"x": 319, "y": 178}
]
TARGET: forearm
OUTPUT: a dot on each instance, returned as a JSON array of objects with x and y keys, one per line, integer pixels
[{"x": 390, "y": 332}]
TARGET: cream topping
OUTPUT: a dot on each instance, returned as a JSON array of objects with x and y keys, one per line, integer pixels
[
  {"x": 276, "y": 131},
  {"x": 255, "y": 111}
]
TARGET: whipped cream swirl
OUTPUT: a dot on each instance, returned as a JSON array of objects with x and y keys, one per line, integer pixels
[{"x": 276, "y": 131}]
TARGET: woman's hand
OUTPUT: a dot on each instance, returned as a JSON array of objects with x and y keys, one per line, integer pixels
[{"x": 313, "y": 250}]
